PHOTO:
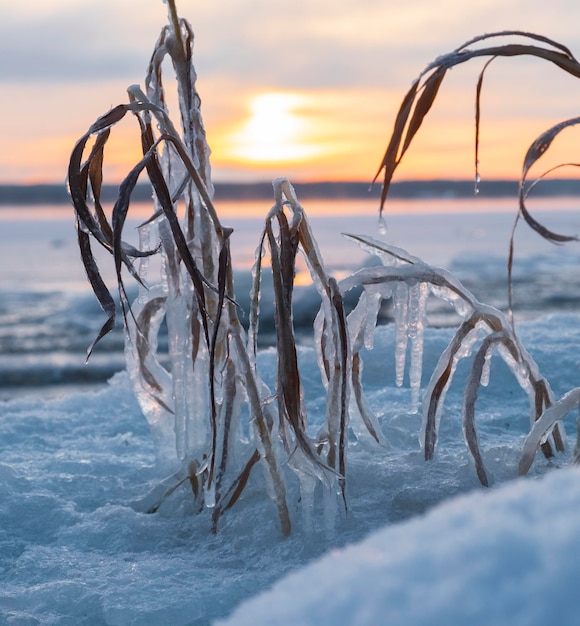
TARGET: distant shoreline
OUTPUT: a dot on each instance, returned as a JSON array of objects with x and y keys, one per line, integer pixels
[{"x": 57, "y": 194}]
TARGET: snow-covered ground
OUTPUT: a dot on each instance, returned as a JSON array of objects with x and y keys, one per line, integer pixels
[
  {"x": 421, "y": 543},
  {"x": 76, "y": 550}
]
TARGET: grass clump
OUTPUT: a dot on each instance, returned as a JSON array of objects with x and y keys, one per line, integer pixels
[{"x": 212, "y": 416}]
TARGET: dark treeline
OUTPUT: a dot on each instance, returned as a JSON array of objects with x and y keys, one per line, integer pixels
[{"x": 57, "y": 194}]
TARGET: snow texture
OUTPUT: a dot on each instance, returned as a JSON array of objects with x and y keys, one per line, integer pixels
[
  {"x": 505, "y": 558},
  {"x": 422, "y": 543}
]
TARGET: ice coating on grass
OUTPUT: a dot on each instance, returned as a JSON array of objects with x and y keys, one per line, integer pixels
[
  {"x": 486, "y": 372},
  {"x": 444, "y": 370}
]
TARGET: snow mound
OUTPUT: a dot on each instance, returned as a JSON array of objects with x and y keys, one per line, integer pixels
[{"x": 505, "y": 558}]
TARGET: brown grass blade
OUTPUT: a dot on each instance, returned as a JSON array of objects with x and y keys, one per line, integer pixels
[
  {"x": 561, "y": 57},
  {"x": 288, "y": 379},
  {"x": 469, "y": 400},
  {"x": 429, "y": 92},
  {"x": 390, "y": 161},
  {"x": 478, "y": 119},
  {"x": 441, "y": 384},
  {"x": 149, "y": 311},
  {"x": 224, "y": 265},
  {"x": 226, "y": 422},
  {"x": 343, "y": 353},
  {"x": 100, "y": 290},
  {"x": 237, "y": 487},
  {"x": 368, "y": 418},
  {"x": 534, "y": 153}
]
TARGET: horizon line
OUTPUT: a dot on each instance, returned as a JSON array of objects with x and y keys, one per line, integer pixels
[{"x": 57, "y": 193}]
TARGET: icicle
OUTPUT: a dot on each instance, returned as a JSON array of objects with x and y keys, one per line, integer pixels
[
  {"x": 307, "y": 487},
  {"x": 417, "y": 304},
  {"x": 374, "y": 300},
  {"x": 477, "y": 182},
  {"x": 382, "y": 226},
  {"x": 485, "y": 373},
  {"x": 330, "y": 504},
  {"x": 417, "y": 301},
  {"x": 178, "y": 338},
  {"x": 401, "y": 311},
  {"x": 150, "y": 381},
  {"x": 209, "y": 495}
]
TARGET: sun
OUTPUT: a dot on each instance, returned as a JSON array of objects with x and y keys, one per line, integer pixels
[{"x": 276, "y": 130}]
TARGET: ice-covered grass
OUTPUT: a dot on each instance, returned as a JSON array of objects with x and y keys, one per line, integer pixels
[
  {"x": 338, "y": 456},
  {"x": 212, "y": 415}
]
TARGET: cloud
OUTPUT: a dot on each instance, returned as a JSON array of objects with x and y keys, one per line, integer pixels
[
  {"x": 65, "y": 62},
  {"x": 76, "y": 41}
]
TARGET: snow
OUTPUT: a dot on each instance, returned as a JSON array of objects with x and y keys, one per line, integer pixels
[
  {"x": 509, "y": 557},
  {"x": 422, "y": 542}
]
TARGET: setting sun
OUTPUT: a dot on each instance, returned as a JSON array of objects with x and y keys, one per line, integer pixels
[{"x": 275, "y": 131}]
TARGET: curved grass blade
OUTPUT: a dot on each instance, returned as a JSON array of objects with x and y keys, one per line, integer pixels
[
  {"x": 547, "y": 420},
  {"x": 561, "y": 57},
  {"x": 478, "y": 120},
  {"x": 100, "y": 290},
  {"x": 533, "y": 154},
  {"x": 224, "y": 265}
]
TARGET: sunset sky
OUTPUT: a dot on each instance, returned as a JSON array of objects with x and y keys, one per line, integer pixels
[{"x": 301, "y": 88}]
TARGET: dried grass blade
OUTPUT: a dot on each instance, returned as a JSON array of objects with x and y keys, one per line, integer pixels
[
  {"x": 289, "y": 388},
  {"x": 150, "y": 310},
  {"x": 549, "y": 417},
  {"x": 237, "y": 487},
  {"x": 98, "y": 285},
  {"x": 543, "y": 401},
  {"x": 118, "y": 219},
  {"x": 519, "y": 33},
  {"x": 368, "y": 417},
  {"x": 226, "y": 421},
  {"x": 224, "y": 265},
  {"x": 77, "y": 185},
  {"x": 96, "y": 180},
  {"x": 429, "y": 92},
  {"x": 164, "y": 198},
  {"x": 469, "y": 400},
  {"x": 439, "y": 384},
  {"x": 534, "y": 153},
  {"x": 343, "y": 349},
  {"x": 390, "y": 161},
  {"x": 478, "y": 118},
  {"x": 561, "y": 57}
]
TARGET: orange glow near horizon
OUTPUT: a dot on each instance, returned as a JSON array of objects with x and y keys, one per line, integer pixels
[{"x": 306, "y": 136}]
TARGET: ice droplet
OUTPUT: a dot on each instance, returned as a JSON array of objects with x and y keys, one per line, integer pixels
[
  {"x": 382, "y": 226},
  {"x": 477, "y": 183}
]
